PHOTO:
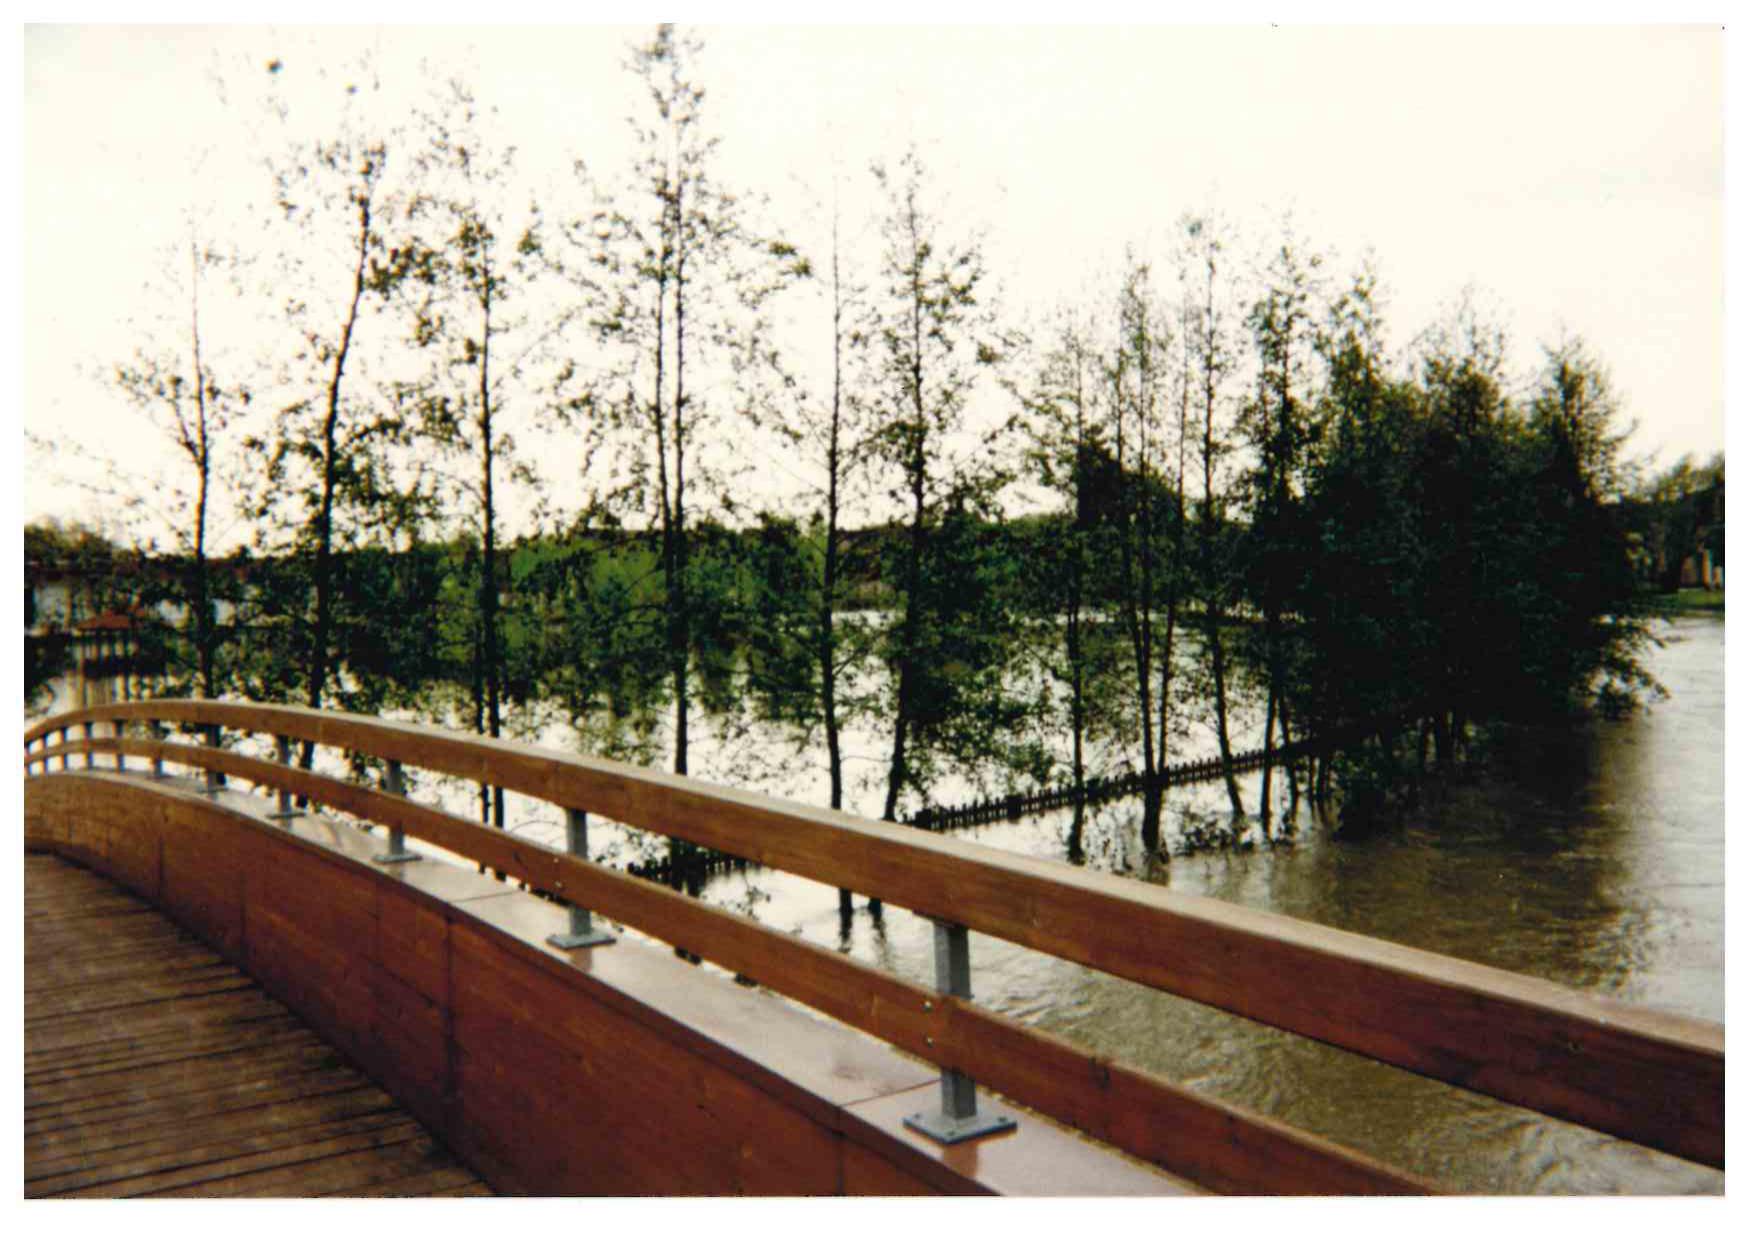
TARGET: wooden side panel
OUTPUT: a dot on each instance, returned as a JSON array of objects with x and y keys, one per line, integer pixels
[
  {"x": 866, "y": 1174},
  {"x": 594, "y": 1102},
  {"x": 202, "y": 884},
  {"x": 134, "y": 834},
  {"x": 311, "y": 931},
  {"x": 413, "y": 944},
  {"x": 412, "y": 1029}
]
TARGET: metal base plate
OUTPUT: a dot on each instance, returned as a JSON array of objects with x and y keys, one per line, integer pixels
[
  {"x": 949, "y": 1131},
  {"x": 595, "y": 938},
  {"x": 290, "y": 813},
  {"x": 389, "y": 858}
]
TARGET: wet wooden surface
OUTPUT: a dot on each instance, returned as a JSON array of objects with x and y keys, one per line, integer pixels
[{"x": 153, "y": 1067}]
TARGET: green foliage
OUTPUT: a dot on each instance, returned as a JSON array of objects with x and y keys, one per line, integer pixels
[
  {"x": 1683, "y": 601},
  {"x": 1675, "y": 515},
  {"x": 1485, "y": 574},
  {"x": 945, "y": 643},
  {"x": 782, "y": 580},
  {"x": 957, "y": 652}
]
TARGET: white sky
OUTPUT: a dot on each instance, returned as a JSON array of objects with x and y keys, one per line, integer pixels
[{"x": 1574, "y": 175}]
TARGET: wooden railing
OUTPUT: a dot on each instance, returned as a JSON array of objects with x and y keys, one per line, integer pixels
[{"x": 1643, "y": 1075}]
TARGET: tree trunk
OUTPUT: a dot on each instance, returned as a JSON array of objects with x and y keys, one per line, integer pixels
[
  {"x": 828, "y": 593},
  {"x": 1140, "y": 649},
  {"x": 1210, "y": 566},
  {"x": 1292, "y": 765},
  {"x": 322, "y": 634},
  {"x": 1268, "y": 754},
  {"x": 898, "y": 771},
  {"x": 492, "y": 646},
  {"x": 1152, "y": 811},
  {"x": 203, "y": 618},
  {"x": 1217, "y": 657},
  {"x": 681, "y": 634}
]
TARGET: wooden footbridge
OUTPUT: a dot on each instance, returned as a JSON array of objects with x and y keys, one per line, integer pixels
[{"x": 475, "y": 1037}]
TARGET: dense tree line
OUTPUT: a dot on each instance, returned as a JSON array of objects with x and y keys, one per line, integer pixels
[{"x": 1058, "y": 553}]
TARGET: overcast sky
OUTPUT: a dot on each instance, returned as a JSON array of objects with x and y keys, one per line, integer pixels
[{"x": 1575, "y": 176}]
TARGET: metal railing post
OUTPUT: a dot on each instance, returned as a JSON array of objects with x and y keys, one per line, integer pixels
[
  {"x": 213, "y": 737},
  {"x": 394, "y": 783},
  {"x": 120, "y": 726},
  {"x": 957, "y": 1120},
  {"x": 582, "y": 932},
  {"x": 66, "y": 758},
  {"x": 90, "y": 758},
  {"x": 156, "y": 729},
  {"x": 282, "y": 750}
]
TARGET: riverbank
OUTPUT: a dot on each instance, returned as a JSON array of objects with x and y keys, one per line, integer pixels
[{"x": 1688, "y": 602}]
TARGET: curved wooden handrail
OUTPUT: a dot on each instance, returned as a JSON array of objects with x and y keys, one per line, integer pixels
[
  {"x": 1136, "y": 1111},
  {"x": 1648, "y": 1076}
]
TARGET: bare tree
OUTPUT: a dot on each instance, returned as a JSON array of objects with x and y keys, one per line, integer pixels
[{"x": 177, "y": 387}]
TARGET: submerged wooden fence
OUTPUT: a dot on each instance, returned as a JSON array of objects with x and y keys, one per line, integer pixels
[
  {"x": 1647, "y": 1076},
  {"x": 1100, "y": 789}
]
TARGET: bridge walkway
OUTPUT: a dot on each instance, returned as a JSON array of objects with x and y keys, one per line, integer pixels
[{"x": 152, "y": 1067}]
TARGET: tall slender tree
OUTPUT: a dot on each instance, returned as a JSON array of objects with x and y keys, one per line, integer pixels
[
  {"x": 330, "y": 481},
  {"x": 180, "y": 389},
  {"x": 1067, "y": 447},
  {"x": 1212, "y": 350},
  {"x": 1150, "y": 552},
  {"x": 826, "y": 426},
  {"x": 478, "y": 266},
  {"x": 685, "y": 280},
  {"x": 935, "y": 333},
  {"x": 1280, "y": 430}
]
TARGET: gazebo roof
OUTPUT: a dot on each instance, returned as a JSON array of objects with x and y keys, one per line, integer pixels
[{"x": 108, "y": 621}]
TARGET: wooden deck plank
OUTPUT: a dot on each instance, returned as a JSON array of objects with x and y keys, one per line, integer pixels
[
  {"x": 103, "y": 1087},
  {"x": 475, "y": 1189},
  {"x": 55, "y": 1037},
  {"x": 62, "y": 1152},
  {"x": 152, "y": 1066},
  {"x": 195, "y": 1160},
  {"x": 146, "y": 1113},
  {"x": 338, "y": 1168},
  {"x": 442, "y": 1183},
  {"x": 115, "y": 995},
  {"x": 48, "y": 1059}
]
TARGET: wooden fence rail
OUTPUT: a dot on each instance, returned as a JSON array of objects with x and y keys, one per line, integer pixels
[
  {"x": 1100, "y": 789},
  {"x": 1647, "y": 1076}
]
